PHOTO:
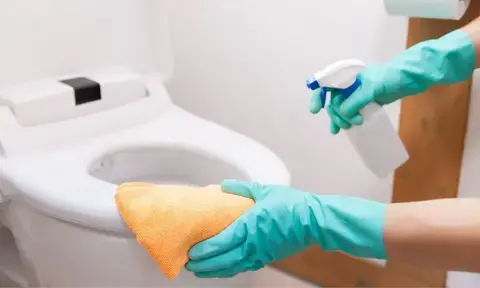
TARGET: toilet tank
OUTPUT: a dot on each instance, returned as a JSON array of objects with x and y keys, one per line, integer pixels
[
  {"x": 44, "y": 42},
  {"x": 48, "y": 38}
]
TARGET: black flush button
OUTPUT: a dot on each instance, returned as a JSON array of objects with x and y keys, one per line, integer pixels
[{"x": 86, "y": 90}]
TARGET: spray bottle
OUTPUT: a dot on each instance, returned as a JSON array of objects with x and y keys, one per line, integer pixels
[{"x": 375, "y": 141}]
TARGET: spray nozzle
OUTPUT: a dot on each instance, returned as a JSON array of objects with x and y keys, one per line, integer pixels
[
  {"x": 341, "y": 75},
  {"x": 312, "y": 83}
]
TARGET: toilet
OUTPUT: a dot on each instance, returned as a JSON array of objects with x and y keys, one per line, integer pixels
[{"x": 67, "y": 142}]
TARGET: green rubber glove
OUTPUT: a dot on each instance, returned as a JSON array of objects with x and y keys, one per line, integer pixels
[
  {"x": 446, "y": 60},
  {"x": 285, "y": 221}
]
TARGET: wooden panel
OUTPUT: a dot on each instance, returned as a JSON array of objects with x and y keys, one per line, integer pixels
[
  {"x": 433, "y": 127},
  {"x": 332, "y": 269}
]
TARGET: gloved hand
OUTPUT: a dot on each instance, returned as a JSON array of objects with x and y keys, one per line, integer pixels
[
  {"x": 285, "y": 221},
  {"x": 447, "y": 60}
]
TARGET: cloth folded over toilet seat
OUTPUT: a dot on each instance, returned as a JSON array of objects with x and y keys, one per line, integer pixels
[{"x": 168, "y": 220}]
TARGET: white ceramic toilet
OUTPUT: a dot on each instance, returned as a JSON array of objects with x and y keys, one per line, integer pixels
[{"x": 64, "y": 149}]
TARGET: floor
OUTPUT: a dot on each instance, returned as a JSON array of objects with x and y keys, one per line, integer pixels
[
  {"x": 7, "y": 282},
  {"x": 11, "y": 269}
]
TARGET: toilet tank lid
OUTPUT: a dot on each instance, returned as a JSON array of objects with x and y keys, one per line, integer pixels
[
  {"x": 127, "y": 99},
  {"x": 61, "y": 98}
]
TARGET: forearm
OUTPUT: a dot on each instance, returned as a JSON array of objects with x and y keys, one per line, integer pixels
[
  {"x": 443, "y": 234},
  {"x": 473, "y": 30}
]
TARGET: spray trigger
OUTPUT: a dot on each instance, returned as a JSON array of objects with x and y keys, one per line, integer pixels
[{"x": 341, "y": 76}]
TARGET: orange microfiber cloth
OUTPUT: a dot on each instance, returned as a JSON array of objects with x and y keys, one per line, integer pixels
[{"x": 168, "y": 220}]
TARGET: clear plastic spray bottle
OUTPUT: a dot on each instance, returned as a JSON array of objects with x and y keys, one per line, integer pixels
[{"x": 375, "y": 141}]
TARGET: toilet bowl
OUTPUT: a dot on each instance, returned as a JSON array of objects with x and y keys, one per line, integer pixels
[{"x": 66, "y": 147}]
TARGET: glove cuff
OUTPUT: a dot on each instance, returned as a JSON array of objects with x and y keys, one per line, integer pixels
[
  {"x": 447, "y": 60},
  {"x": 351, "y": 225}
]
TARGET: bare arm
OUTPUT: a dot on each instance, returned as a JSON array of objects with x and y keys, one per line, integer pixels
[
  {"x": 443, "y": 234},
  {"x": 473, "y": 30}
]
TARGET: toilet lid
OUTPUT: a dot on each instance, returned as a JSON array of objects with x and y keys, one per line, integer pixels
[{"x": 57, "y": 183}]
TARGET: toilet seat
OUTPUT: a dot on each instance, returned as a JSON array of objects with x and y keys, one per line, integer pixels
[{"x": 65, "y": 190}]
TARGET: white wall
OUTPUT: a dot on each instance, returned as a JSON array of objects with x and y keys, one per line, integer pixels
[
  {"x": 44, "y": 38},
  {"x": 244, "y": 64}
]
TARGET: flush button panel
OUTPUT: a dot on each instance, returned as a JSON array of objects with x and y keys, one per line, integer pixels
[
  {"x": 53, "y": 100},
  {"x": 85, "y": 90}
]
